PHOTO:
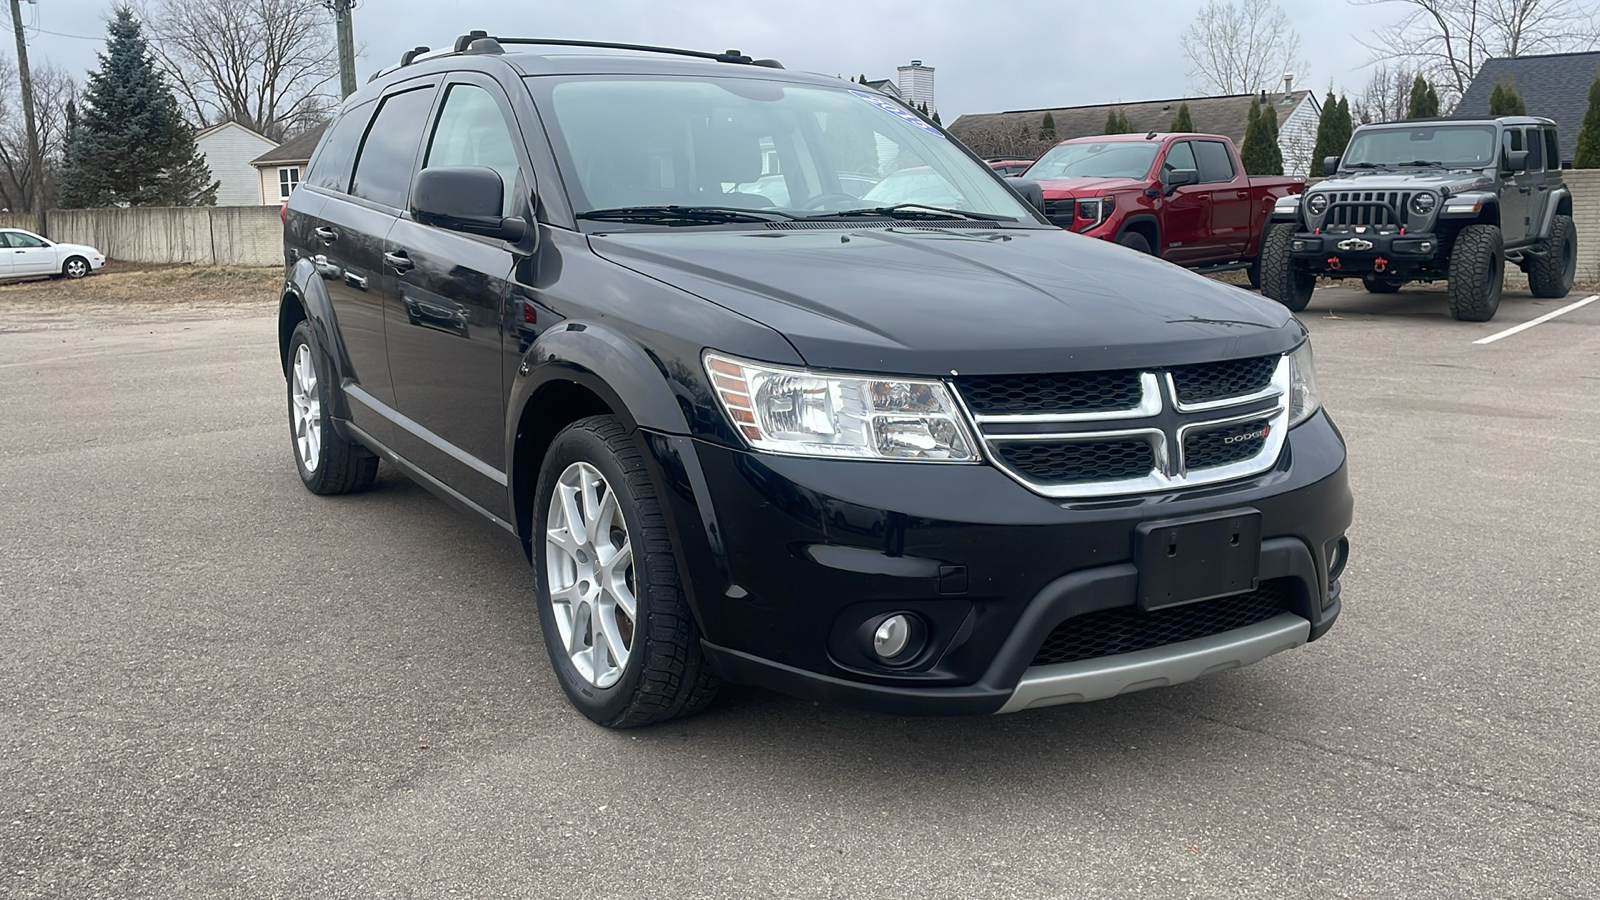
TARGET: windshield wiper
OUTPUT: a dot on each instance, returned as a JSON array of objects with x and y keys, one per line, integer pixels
[
  {"x": 1424, "y": 162},
  {"x": 911, "y": 211},
  {"x": 1362, "y": 165},
  {"x": 684, "y": 215}
]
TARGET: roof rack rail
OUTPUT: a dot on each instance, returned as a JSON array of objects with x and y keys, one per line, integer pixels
[{"x": 468, "y": 41}]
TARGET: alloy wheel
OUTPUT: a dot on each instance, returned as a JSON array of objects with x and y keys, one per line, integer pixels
[
  {"x": 307, "y": 410},
  {"x": 77, "y": 268},
  {"x": 590, "y": 571}
]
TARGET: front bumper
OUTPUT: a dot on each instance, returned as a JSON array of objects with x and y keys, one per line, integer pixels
[
  {"x": 1349, "y": 253},
  {"x": 784, "y": 558}
]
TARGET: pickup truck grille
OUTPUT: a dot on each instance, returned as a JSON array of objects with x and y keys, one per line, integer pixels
[
  {"x": 1061, "y": 212},
  {"x": 1099, "y": 434},
  {"x": 1126, "y": 629},
  {"x": 1369, "y": 208}
]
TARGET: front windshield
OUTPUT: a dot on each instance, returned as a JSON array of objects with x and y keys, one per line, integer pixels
[
  {"x": 1103, "y": 159},
  {"x": 759, "y": 145},
  {"x": 1449, "y": 145}
]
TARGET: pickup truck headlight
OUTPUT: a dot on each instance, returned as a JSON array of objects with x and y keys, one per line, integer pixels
[
  {"x": 1097, "y": 210},
  {"x": 799, "y": 412},
  {"x": 1303, "y": 397},
  {"x": 1317, "y": 204}
]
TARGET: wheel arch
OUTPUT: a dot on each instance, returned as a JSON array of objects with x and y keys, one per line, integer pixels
[{"x": 1145, "y": 225}]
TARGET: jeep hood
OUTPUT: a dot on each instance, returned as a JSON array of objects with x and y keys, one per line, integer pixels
[
  {"x": 1058, "y": 188},
  {"x": 1450, "y": 181},
  {"x": 928, "y": 301}
]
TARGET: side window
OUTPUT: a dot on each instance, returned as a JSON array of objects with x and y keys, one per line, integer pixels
[
  {"x": 1180, "y": 157},
  {"x": 1535, "y": 151},
  {"x": 18, "y": 240},
  {"x": 1215, "y": 162},
  {"x": 472, "y": 132},
  {"x": 331, "y": 166},
  {"x": 1552, "y": 150},
  {"x": 288, "y": 180},
  {"x": 389, "y": 152},
  {"x": 1510, "y": 139}
]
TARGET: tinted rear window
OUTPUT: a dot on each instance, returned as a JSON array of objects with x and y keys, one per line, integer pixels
[
  {"x": 331, "y": 166},
  {"x": 389, "y": 153},
  {"x": 1215, "y": 163}
]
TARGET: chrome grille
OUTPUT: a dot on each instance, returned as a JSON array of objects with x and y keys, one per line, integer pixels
[
  {"x": 1369, "y": 208},
  {"x": 1213, "y": 381},
  {"x": 1081, "y": 392},
  {"x": 1207, "y": 447},
  {"x": 1077, "y": 462}
]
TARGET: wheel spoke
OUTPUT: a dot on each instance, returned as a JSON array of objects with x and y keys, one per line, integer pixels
[
  {"x": 588, "y": 562},
  {"x": 613, "y": 639},
  {"x": 574, "y": 518}
]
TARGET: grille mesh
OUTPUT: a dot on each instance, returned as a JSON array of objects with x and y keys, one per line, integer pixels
[
  {"x": 1214, "y": 381},
  {"x": 1126, "y": 629},
  {"x": 1081, "y": 392},
  {"x": 1371, "y": 208},
  {"x": 1076, "y": 462},
  {"x": 1209, "y": 448}
]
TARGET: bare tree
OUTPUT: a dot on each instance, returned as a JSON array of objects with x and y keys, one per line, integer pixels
[
  {"x": 53, "y": 91},
  {"x": 1385, "y": 96},
  {"x": 1447, "y": 40},
  {"x": 1014, "y": 140},
  {"x": 1241, "y": 47},
  {"x": 269, "y": 65}
]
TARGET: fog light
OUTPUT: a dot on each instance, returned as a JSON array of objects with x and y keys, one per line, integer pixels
[
  {"x": 1427, "y": 247},
  {"x": 891, "y": 638},
  {"x": 1298, "y": 245}
]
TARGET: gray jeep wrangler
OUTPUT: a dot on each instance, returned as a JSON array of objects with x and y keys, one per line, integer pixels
[{"x": 1430, "y": 199}]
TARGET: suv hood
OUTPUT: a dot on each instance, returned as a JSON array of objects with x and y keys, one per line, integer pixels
[
  {"x": 1449, "y": 181},
  {"x": 1059, "y": 188},
  {"x": 929, "y": 301}
]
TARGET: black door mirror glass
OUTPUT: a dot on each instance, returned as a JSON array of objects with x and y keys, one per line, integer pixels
[
  {"x": 1173, "y": 179},
  {"x": 1028, "y": 190},
  {"x": 464, "y": 198},
  {"x": 1330, "y": 165},
  {"x": 1516, "y": 160}
]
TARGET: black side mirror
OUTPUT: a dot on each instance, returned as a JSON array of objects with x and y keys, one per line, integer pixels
[
  {"x": 1172, "y": 179},
  {"x": 1516, "y": 160},
  {"x": 1028, "y": 189},
  {"x": 1330, "y": 165},
  {"x": 465, "y": 198}
]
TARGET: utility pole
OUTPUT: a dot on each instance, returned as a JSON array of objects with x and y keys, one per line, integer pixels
[
  {"x": 35, "y": 165},
  {"x": 347, "y": 45}
]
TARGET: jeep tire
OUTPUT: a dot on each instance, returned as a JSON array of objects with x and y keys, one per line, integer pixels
[
  {"x": 662, "y": 673},
  {"x": 327, "y": 463},
  {"x": 1477, "y": 273},
  {"x": 1552, "y": 267},
  {"x": 1281, "y": 279}
]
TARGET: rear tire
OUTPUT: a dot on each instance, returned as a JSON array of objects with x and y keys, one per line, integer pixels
[
  {"x": 660, "y": 672},
  {"x": 1550, "y": 274},
  {"x": 327, "y": 464},
  {"x": 1281, "y": 278},
  {"x": 1477, "y": 273},
  {"x": 1133, "y": 240},
  {"x": 1382, "y": 286}
]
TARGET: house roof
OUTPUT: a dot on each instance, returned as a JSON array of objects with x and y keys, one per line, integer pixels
[
  {"x": 296, "y": 150},
  {"x": 1554, "y": 86},
  {"x": 885, "y": 86},
  {"x": 1227, "y": 115},
  {"x": 225, "y": 125}
]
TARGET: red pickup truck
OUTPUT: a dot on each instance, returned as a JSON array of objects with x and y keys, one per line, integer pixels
[{"x": 1183, "y": 197}]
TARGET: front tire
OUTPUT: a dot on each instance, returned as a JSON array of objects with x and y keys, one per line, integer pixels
[
  {"x": 1477, "y": 273},
  {"x": 1281, "y": 279},
  {"x": 326, "y": 463},
  {"x": 1133, "y": 240},
  {"x": 612, "y": 609},
  {"x": 75, "y": 267},
  {"x": 1550, "y": 274}
]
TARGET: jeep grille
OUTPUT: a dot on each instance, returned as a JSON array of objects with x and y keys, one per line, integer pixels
[{"x": 1369, "y": 208}]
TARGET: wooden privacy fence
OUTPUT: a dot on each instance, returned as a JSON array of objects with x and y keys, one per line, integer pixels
[{"x": 198, "y": 235}]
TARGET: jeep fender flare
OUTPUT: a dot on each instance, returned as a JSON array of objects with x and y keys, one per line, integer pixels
[
  {"x": 1141, "y": 221},
  {"x": 1555, "y": 203},
  {"x": 1474, "y": 208}
]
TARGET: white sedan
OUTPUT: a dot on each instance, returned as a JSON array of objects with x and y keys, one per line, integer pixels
[{"x": 23, "y": 254}]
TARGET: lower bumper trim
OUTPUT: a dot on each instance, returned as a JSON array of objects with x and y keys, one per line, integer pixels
[{"x": 1099, "y": 679}]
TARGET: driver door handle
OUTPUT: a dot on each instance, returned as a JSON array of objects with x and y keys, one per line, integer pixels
[
  {"x": 326, "y": 234},
  {"x": 398, "y": 261}
]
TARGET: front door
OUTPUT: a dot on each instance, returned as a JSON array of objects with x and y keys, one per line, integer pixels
[
  {"x": 1186, "y": 212},
  {"x": 445, "y": 316},
  {"x": 30, "y": 255},
  {"x": 1516, "y": 198}
]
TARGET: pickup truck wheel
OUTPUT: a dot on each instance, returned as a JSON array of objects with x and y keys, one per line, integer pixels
[
  {"x": 1133, "y": 240},
  {"x": 1382, "y": 285},
  {"x": 327, "y": 464},
  {"x": 1477, "y": 273},
  {"x": 1281, "y": 279},
  {"x": 616, "y": 625},
  {"x": 1551, "y": 272}
]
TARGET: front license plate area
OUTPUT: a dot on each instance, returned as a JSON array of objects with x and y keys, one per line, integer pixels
[{"x": 1186, "y": 560}]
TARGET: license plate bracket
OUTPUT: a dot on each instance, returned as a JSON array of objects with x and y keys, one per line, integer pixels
[{"x": 1197, "y": 558}]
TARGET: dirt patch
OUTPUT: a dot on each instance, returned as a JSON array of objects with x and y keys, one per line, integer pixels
[{"x": 125, "y": 293}]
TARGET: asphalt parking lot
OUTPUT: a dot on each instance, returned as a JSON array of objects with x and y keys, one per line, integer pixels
[{"x": 214, "y": 684}]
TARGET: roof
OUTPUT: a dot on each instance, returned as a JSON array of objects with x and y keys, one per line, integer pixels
[
  {"x": 1554, "y": 86},
  {"x": 885, "y": 86},
  {"x": 216, "y": 128},
  {"x": 296, "y": 150},
  {"x": 1227, "y": 115}
]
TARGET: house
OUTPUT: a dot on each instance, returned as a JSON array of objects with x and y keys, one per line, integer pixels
[
  {"x": 885, "y": 86},
  {"x": 916, "y": 85},
  {"x": 278, "y": 170},
  {"x": 1298, "y": 114},
  {"x": 1554, "y": 86},
  {"x": 228, "y": 149}
]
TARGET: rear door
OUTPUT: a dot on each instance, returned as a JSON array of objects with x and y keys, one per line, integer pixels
[
  {"x": 1231, "y": 209},
  {"x": 1186, "y": 212},
  {"x": 445, "y": 317},
  {"x": 1536, "y": 180}
]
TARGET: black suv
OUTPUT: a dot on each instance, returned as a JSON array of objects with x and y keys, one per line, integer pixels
[
  {"x": 1426, "y": 200},
  {"x": 778, "y": 384}
]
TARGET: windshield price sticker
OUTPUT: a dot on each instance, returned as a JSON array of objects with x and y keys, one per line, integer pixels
[{"x": 898, "y": 110}]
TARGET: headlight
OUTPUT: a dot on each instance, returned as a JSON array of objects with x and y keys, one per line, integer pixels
[
  {"x": 1423, "y": 204},
  {"x": 1317, "y": 204},
  {"x": 804, "y": 413},
  {"x": 1303, "y": 397},
  {"x": 1286, "y": 205},
  {"x": 1097, "y": 210}
]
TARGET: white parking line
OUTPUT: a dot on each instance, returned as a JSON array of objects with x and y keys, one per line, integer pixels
[{"x": 1539, "y": 321}]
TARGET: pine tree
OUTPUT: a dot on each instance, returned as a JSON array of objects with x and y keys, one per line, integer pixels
[
  {"x": 1274, "y": 155},
  {"x": 1588, "y": 155},
  {"x": 1181, "y": 122},
  {"x": 1346, "y": 124},
  {"x": 862, "y": 79},
  {"x": 1259, "y": 145},
  {"x": 1424, "y": 102},
  {"x": 1327, "y": 133},
  {"x": 130, "y": 146},
  {"x": 1047, "y": 128},
  {"x": 936, "y": 118},
  {"x": 1505, "y": 101},
  {"x": 1117, "y": 123}
]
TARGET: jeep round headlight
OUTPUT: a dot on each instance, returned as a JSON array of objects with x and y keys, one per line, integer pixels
[
  {"x": 804, "y": 413},
  {"x": 1317, "y": 204},
  {"x": 1424, "y": 204}
]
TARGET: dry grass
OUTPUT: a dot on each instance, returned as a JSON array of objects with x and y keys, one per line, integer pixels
[{"x": 129, "y": 292}]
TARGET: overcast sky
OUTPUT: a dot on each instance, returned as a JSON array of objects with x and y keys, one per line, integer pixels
[{"x": 989, "y": 55}]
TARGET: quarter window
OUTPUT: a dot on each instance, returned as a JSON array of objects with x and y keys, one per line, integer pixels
[
  {"x": 288, "y": 180},
  {"x": 1535, "y": 151},
  {"x": 1552, "y": 150},
  {"x": 472, "y": 132},
  {"x": 1215, "y": 163},
  {"x": 389, "y": 152}
]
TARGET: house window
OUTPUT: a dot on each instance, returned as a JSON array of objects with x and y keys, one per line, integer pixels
[{"x": 288, "y": 180}]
